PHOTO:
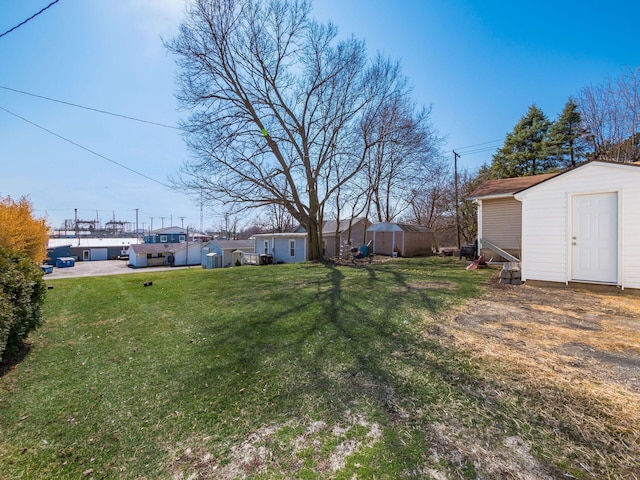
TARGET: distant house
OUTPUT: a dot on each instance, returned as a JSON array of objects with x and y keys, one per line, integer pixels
[
  {"x": 500, "y": 214},
  {"x": 86, "y": 249},
  {"x": 166, "y": 235},
  {"x": 280, "y": 247},
  {"x": 164, "y": 254},
  {"x": 404, "y": 239},
  {"x": 227, "y": 251}
]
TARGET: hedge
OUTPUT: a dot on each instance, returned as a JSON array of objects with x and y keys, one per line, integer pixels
[{"x": 22, "y": 292}]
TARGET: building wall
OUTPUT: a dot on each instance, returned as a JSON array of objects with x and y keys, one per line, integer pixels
[
  {"x": 547, "y": 222},
  {"x": 501, "y": 224},
  {"x": 409, "y": 244},
  {"x": 193, "y": 257},
  {"x": 417, "y": 244},
  {"x": 278, "y": 246},
  {"x": 355, "y": 237},
  {"x": 138, "y": 260},
  {"x": 210, "y": 248},
  {"x": 281, "y": 250}
]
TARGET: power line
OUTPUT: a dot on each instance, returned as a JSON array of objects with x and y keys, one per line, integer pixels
[
  {"x": 479, "y": 150},
  {"x": 84, "y": 148},
  {"x": 88, "y": 108},
  {"x": 30, "y": 18},
  {"x": 479, "y": 144}
]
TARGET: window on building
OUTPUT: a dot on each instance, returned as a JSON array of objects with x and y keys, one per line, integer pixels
[
  {"x": 183, "y": 238},
  {"x": 163, "y": 239},
  {"x": 292, "y": 248},
  {"x": 266, "y": 247}
]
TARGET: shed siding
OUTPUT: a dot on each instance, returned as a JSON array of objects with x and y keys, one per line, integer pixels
[
  {"x": 501, "y": 221},
  {"x": 356, "y": 238},
  {"x": 547, "y": 222}
]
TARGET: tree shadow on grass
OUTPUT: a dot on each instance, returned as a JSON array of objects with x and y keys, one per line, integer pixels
[{"x": 349, "y": 345}]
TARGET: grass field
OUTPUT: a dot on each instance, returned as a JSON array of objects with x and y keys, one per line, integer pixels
[{"x": 288, "y": 371}]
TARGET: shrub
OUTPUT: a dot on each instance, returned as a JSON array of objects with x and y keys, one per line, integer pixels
[{"x": 22, "y": 291}]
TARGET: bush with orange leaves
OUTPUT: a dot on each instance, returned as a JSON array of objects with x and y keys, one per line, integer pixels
[{"x": 21, "y": 231}]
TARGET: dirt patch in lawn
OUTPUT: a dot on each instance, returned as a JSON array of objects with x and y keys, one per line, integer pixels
[
  {"x": 578, "y": 332},
  {"x": 570, "y": 357},
  {"x": 266, "y": 449}
]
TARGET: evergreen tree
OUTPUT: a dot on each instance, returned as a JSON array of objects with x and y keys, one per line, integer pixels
[
  {"x": 525, "y": 150},
  {"x": 567, "y": 146}
]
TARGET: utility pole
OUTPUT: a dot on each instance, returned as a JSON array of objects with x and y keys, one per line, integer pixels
[
  {"x": 455, "y": 179},
  {"x": 182, "y": 220},
  {"x": 151, "y": 225},
  {"x": 162, "y": 218},
  {"x": 137, "y": 231}
]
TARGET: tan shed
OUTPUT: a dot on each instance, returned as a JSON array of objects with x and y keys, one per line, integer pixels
[
  {"x": 500, "y": 215},
  {"x": 403, "y": 239}
]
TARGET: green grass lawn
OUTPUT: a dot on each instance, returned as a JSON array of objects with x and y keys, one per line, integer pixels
[{"x": 287, "y": 371}]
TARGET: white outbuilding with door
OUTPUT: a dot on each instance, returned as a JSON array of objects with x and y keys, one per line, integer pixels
[{"x": 583, "y": 226}]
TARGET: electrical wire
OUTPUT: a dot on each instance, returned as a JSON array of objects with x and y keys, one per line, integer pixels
[
  {"x": 88, "y": 108},
  {"x": 30, "y": 18},
  {"x": 478, "y": 148},
  {"x": 84, "y": 148},
  {"x": 478, "y": 144}
]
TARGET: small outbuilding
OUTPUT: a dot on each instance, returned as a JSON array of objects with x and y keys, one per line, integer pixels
[
  {"x": 500, "y": 215},
  {"x": 228, "y": 251},
  {"x": 278, "y": 248},
  {"x": 583, "y": 226},
  {"x": 164, "y": 254},
  {"x": 400, "y": 239},
  {"x": 85, "y": 249}
]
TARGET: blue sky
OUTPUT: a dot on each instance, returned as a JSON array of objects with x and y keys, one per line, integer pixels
[{"x": 479, "y": 64}]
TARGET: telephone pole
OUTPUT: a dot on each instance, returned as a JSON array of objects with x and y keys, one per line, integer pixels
[{"x": 455, "y": 179}]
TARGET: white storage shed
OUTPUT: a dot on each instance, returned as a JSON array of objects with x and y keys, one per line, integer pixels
[{"x": 583, "y": 226}]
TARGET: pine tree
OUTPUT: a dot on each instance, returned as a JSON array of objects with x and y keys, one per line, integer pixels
[
  {"x": 567, "y": 146},
  {"x": 525, "y": 150}
]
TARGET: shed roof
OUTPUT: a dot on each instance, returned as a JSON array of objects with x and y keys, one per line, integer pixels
[
  {"x": 506, "y": 187},
  {"x": 157, "y": 247},
  {"x": 92, "y": 242},
  {"x": 398, "y": 227},
  {"x": 233, "y": 244},
  {"x": 329, "y": 226},
  {"x": 280, "y": 235},
  {"x": 632, "y": 166}
]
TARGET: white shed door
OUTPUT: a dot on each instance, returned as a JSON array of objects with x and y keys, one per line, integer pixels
[{"x": 595, "y": 238}]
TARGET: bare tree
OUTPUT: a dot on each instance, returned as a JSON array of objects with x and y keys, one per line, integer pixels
[
  {"x": 611, "y": 115},
  {"x": 275, "y": 103},
  {"x": 405, "y": 145}
]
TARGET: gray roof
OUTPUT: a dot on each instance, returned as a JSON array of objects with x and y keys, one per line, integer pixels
[
  {"x": 233, "y": 244},
  {"x": 157, "y": 247},
  {"x": 329, "y": 226},
  {"x": 398, "y": 227}
]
